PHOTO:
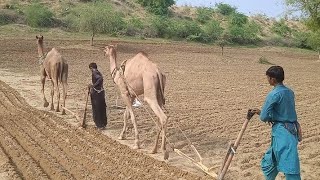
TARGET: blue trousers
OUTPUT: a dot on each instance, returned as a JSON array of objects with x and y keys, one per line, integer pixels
[{"x": 273, "y": 174}]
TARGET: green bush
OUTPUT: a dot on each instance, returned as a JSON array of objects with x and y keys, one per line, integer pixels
[
  {"x": 7, "y": 16},
  {"x": 264, "y": 60},
  {"x": 238, "y": 19},
  {"x": 244, "y": 34},
  {"x": 204, "y": 14},
  {"x": 225, "y": 9},
  {"x": 96, "y": 17},
  {"x": 159, "y": 26},
  {"x": 183, "y": 29},
  {"x": 158, "y": 7},
  {"x": 281, "y": 28},
  {"x": 134, "y": 27},
  {"x": 38, "y": 15},
  {"x": 301, "y": 39},
  {"x": 212, "y": 30},
  {"x": 314, "y": 40}
]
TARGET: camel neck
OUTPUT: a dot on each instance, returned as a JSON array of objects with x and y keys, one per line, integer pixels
[
  {"x": 113, "y": 62},
  {"x": 40, "y": 49}
]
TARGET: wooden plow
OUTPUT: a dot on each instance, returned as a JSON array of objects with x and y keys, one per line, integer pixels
[
  {"x": 83, "y": 121},
  {"x": 228, "y": 158}
]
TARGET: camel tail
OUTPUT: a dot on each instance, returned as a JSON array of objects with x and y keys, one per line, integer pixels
[
  {"x": 63, "y": 73},
  {"x": 162, "y": 82}
]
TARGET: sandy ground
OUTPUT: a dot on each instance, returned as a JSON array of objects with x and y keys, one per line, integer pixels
[{"x": 207, "y": 96}]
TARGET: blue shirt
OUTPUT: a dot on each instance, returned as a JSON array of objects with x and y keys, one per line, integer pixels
[{"x": 279, "y": 107}]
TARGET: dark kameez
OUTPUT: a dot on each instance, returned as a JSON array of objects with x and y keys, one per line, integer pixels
[{"x": 98, "y": 100}]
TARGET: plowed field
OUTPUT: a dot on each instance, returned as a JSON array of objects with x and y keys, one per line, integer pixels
[{"x": 207, "y": 96}]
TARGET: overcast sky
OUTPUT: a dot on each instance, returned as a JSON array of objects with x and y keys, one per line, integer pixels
[{"x": 271, "y": 8}]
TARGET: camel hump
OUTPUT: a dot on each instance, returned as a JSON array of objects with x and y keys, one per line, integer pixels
[
  {"x": 54, "y": 50},
  {"x": 143, "y": 53}
]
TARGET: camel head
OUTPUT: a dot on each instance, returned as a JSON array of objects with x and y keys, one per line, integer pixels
[
  {"x": 39, "y": 39},
  {"x": 110, "y": 50}
]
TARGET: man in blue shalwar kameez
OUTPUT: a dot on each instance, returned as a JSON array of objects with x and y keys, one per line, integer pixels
[{"x": 279, "y": 110}]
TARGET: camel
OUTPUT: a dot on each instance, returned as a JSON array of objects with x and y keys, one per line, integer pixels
[
  {"x": 55, "y": 67},
  {"x": 135, "y": 77}
]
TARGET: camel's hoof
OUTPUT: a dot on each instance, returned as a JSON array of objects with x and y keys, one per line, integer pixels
[
  {"x": 121, "y": 138},
  {"x": 46, "y": 104},
  {"x": 52, "y": 108},
  {"x": 63, "y": 113},
  {"x": 57, "y": 110}
]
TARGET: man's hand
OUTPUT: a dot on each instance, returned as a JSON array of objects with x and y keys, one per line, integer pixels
[
  {"x": 252, "y": 112},
  {"x": 256, "y": 111}
]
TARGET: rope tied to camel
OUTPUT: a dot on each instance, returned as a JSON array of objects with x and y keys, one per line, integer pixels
[{"x": 120, "y": 69}]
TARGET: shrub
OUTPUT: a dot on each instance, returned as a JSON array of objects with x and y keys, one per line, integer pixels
[
  {"x": 301, "y": 39},
  {"x": 244, "y": 34},
  {"x": 134, "y": 27},
  {"x": 212, "y": 30},
  {"x": 204, "y": 14},
  {"x": 184, "y": 28},
  {"x": 96, "y": 17},
  {"x": 225, "y": 9},
  {"x": 158, "y": 7},
  {"x": 281, "y": 28},
  {"x": 7, "y": 16},
  {"x": 238, "y": 19},
  {"x": 38, "y": 15},
  {"x": 264, "y": 60},
  {"x": 159, "y": 26}
]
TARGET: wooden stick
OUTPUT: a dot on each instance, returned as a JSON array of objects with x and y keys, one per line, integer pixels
[
  {"x": 72, "y": 113},
  {"x": 85, "y": 110},
  {"x": 232, "y": 150}
]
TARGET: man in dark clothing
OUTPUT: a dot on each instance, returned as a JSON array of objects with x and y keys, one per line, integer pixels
[{"x": 97, "y": 98}]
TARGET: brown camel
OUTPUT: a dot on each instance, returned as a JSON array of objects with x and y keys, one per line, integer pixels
[
  {"x": 135, "y": 77},
  {"x": 55, "y": 67}
]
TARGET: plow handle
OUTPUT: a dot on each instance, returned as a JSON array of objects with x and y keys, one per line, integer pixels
[
  {"x": 230, "y": 154},
  {"x": 85, "y": 110}
]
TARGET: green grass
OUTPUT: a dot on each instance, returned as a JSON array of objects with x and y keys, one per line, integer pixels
[{"x": 264, "y": 60}]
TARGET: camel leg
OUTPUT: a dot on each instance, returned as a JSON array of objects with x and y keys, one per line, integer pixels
[
  {"x": 163, "y": 120},
  {"x": 64, "y": 80},
  {"x": 136, "y": 133},
  {"x": 125, "y": 117},
  {"x": 52, "y": 93},
  {"x": 64, "y": 88},
  {"x": 56, "y": 84},
  {"x": 43, "y": 81},
  {"x": 158, "y": 129},
  {"x": 128, "y": 102}
]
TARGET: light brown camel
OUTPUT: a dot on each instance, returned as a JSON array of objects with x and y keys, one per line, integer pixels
[
  {"x": 135, "y": 77},
  {"x": 55, "y": 67}
]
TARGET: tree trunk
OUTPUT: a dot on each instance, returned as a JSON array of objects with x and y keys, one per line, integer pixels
[
  {"x": 92, "y": 39},
  {"x": 222, "y": 50}
]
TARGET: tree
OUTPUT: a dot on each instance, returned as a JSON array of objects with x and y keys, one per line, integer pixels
[
  {"x": 311, "y": 9},
  {"x": 95, "y": 17}
]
